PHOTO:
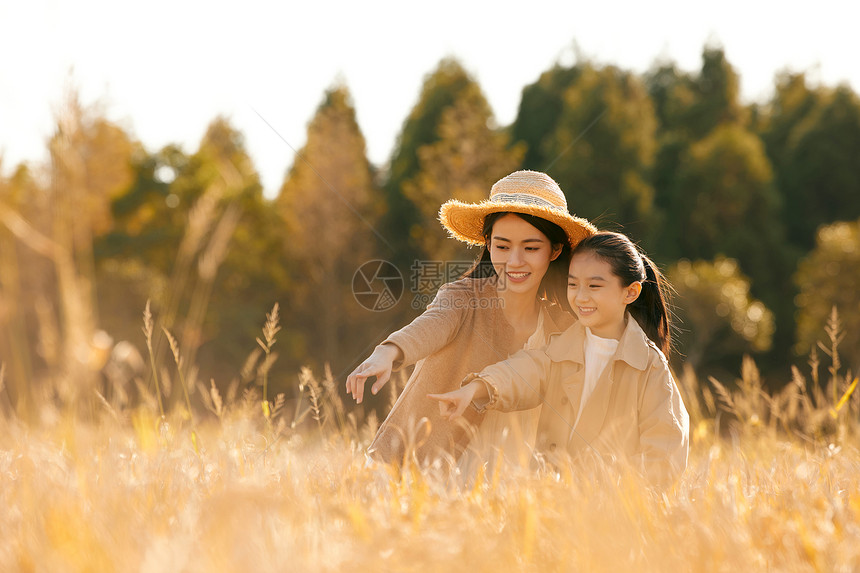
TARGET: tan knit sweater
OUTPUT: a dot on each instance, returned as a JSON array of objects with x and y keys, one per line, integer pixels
[{"x": 462, "y": 331}]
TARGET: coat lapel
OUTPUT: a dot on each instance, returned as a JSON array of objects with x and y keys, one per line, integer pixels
[{"x": 568, "y": 346}]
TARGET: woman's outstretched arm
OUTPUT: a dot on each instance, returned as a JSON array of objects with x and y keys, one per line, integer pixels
[
  {"x": 380, "y": 364},
  {"x": 429, "y": 332}
]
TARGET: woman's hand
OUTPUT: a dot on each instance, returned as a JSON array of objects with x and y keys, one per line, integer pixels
[
  {"x": 378, "y": 364},
  {"x": 453, "y": 404}
]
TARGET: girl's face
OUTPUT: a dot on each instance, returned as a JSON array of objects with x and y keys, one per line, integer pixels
[
  {"x": 597, "y": 296},
  {"x": 520, "y": 254}
]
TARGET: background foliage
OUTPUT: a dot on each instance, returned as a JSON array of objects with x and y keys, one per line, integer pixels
[{"x": 751, "y": 208}]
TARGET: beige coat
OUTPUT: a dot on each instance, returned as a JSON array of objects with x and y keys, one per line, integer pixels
[
  {"x": 463, "y": 330},
  {"x": 635, "y": 411}
]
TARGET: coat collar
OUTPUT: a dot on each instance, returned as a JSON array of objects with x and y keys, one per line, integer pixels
[
  {"x": 569, "y": 346},
  {"x": 634, "y": 345}
]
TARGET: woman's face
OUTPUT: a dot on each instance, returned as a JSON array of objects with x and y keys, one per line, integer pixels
[{"x": 520, "y": 254}]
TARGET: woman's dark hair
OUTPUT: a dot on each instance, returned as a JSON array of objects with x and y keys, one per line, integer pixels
[
  {"x": 651, "y": 310},
  {"x": 553, "y": 285}
]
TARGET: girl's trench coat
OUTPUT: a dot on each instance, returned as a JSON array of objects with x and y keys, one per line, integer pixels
[{"x": 635, "y": 412}]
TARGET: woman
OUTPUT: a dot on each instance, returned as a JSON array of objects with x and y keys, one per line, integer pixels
[{"x": 508, "y": 301}]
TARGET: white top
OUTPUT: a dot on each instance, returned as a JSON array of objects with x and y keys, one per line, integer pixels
[{"x": 598, "y": 351}]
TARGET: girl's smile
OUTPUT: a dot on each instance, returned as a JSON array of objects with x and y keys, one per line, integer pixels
[{"x": 597, "y": 296}]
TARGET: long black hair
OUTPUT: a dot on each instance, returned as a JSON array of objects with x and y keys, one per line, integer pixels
[
  {"x": 553, "y": 284},
  {"x": 651, "y": 309}
]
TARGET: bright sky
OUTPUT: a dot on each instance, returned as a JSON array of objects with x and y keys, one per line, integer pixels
[{"x": 164, "y": 69}]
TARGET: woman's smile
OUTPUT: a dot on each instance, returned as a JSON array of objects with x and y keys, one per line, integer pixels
[
  {"x": 520, "y": 254},
  {"x": 518, "y": 276}
]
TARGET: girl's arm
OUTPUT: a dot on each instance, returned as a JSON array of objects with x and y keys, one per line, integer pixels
[
  {"x": 516, "y": 383},
  {"x": 453, "y": 404},
  {"x": 429, "y": 332},
  {"x": 664, "y": 428}
]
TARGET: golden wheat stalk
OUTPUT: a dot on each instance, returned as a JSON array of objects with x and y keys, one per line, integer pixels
[
  {"x": 147, "y": 332},
  {"x": 270, "y": 329},
  {"x": 724, "y": 395},
  {"x": 315, "y": 391},
  {"x": 174, "y": 348}
]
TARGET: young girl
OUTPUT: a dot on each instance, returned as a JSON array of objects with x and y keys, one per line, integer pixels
[
  {"x": 501, "y": 306},
  {"x": 605, "y": 383}
]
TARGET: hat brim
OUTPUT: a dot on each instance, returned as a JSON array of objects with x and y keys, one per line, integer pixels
[{"x": 465, "y": 221}]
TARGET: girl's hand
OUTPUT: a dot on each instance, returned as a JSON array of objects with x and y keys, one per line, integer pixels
[
  {"x": 378, "y": 364},
  {"x": 453, "y": 404}
]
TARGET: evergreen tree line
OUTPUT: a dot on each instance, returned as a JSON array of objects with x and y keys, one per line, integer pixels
[{"x": 753, "y": 211}]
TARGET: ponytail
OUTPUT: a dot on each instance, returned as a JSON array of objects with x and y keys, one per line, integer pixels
[
  {"x": 651, "y": 309},
  {"x": 629, "y": 264}
]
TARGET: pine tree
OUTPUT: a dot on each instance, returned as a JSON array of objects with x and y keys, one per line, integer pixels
[
  {"x": 688, "y": 108},
  {"x": 714, "y": 184},
  {"x": 540, "y": 109},
  {"x": 602, "y": 150},
  {"x": 727, "y": 205},
  {"x": 244, "y": 248},
  {"x": 440, "y": 91},
  {"x": 716, "y": 101},
  {"x": 469, "y": 156},
  {"x": 331, "y": 206},
  {"x": 817, "y": 171}
]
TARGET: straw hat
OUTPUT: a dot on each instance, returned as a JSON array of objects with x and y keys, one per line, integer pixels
[{"x": 529, "y": 192}]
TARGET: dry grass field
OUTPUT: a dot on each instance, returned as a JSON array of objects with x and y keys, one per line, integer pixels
[{"x": 771, "y": 486}]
